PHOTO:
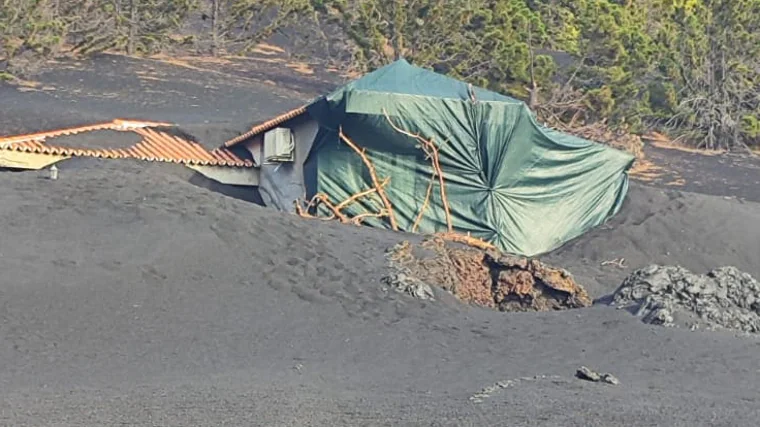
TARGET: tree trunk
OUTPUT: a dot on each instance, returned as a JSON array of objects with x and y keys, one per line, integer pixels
[
  {"x": 533, "y": 101},
  {"x": 398, "y": 29},
  {"x": 117, "y": 13},
  {"x": 215, "y": 27},
  {"x": 133, "y": 20},
  {"x": 534, "y": 98}
]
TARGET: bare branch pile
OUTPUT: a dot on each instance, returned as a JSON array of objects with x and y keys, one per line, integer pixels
[
  {"x": 431, "y": 152},
  {"x": 336, "y": 210}
]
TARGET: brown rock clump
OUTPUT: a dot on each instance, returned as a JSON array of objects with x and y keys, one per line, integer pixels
[
  {"x": 488, "y": 278},
  {"x": 524, "y": 284}
]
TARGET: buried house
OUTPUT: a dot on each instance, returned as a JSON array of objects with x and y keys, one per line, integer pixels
[{"x": 523, "y": 187}]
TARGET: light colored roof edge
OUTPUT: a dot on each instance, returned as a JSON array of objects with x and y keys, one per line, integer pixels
[{"x": 116, "y": 124}]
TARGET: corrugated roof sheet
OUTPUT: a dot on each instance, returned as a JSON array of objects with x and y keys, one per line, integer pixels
[
  {"x": 155, "y": 146},
  {"x": 265, "y": 126}
]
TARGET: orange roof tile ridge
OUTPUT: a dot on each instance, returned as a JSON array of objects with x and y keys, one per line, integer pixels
[
  {"x": 265, "y": 126},
  {"x": 155, "y": 145}
]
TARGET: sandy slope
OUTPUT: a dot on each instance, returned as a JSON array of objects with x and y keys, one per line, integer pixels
[
  {"x": 130, "y": 297},
  {"x": 661, "y": 226},
  {"x": 211, "y": 106}
]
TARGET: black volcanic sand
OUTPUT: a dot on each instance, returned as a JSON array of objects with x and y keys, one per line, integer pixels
[
  {"x": 734, "y": 176},
  {"x": 212, "y": 106},
  {"x": 129, "y": 296},
  {"x": 665, "y": 226}
]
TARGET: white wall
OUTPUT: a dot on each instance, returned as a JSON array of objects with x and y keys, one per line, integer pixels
[{"x": 255, "y": 146}]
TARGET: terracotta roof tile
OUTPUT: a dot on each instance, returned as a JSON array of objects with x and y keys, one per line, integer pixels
[
  {"x": 265, "y": 126},
  {"x": 155, "y": 146}
]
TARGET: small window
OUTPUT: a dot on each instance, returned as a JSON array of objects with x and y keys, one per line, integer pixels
[{"x": 279, "y": 146}]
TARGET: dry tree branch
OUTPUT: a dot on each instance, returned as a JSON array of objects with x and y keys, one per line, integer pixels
[
  {"x": 431, "y": 150},
  {"x": 335, "y": 210},
  {"x": 322, "y": 197},
  {"x": 619, "y": 262},
  {"x": 358, "y": 196},
  {"x": 444, "y": 198},
  {"x": 373, "y": 175},
  {"x": 466, "y": 239},
  {"x": 302, "y": 208},
  {"x": 357, "y": 220},
  {"x": 424, "y": 204},
  {"x": 429, "y": 147}
]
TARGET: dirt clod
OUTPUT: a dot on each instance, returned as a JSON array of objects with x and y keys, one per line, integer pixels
[{"x": 487, "y": 278}]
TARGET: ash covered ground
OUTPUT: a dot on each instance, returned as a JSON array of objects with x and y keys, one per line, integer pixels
[{"x": 129, "y": 295}]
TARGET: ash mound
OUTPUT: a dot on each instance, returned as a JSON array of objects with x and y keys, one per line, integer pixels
[
  {"x": 483, "y": 277},
  {"x": 724, "y": 298}
]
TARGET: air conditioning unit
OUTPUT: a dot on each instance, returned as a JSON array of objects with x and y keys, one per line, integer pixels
[{"x": 279, "y": 146}]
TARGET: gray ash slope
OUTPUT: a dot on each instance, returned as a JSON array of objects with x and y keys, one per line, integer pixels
[
  {"x": 666, "y": 227},
  {"x": 130, "y": 296},
  {"x": 209, "y": 103}
]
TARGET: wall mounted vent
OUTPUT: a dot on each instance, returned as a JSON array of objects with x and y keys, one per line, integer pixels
[{"x": 279, "y": 146}]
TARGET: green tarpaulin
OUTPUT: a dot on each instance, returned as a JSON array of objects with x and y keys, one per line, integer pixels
[{"x": 526, "y": 188}]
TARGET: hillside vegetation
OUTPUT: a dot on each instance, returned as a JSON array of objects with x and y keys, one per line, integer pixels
[{"x": 688, "y": 68}]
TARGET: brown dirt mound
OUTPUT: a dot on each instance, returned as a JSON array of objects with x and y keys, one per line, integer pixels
[{"x": 488, "y": 278}]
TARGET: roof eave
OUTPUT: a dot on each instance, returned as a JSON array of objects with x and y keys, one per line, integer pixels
[{"x": 265, "y": 126}]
